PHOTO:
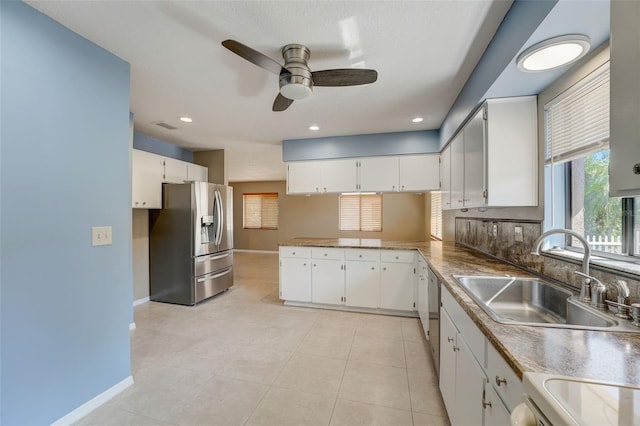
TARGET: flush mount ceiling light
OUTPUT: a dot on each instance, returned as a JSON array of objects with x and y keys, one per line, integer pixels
[
  {"x": 185, "y": 119},
  {"x": 417, "y": 120},
  {"x": 553, "y": 53},
  {"x": 314, "y": 128}
]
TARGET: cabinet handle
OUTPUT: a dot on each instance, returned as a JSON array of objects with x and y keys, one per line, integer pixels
[
  {"x": 456, "y": 348},
  {"x": 500, "y": 381},
  {"x": 144, "y": 203},
  {"x": 397, "y": 257},
  {"x": 384, "y": 269},
  {"x": 360, "y": 256},
  {"x": 393, "y": 187},
  {"x": 449, "y": 339},
  {"x": 325, "y": 255},
  {"x": 486, "y": 404},
  {"x": 314, "y": 265},
  {"x": 294, "y": 253},
  {"x": 325, "y": 189},
  {"x": 402, "y": 186},
  {"x": 304, "y": 264},
  {"x": 373, "y": 268}
]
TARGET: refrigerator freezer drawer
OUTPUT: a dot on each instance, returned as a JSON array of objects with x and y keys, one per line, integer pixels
[
  {"x": 212, "y": 262},
  {"x": 212, "y": 284}
]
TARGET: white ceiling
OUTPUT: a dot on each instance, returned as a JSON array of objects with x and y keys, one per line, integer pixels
[{"x": 424, "y": 51}]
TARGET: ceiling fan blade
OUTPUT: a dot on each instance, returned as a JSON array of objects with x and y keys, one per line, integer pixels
[
  {"x": 344, "y": 77},
  {"x": 281, "y": 103},
  {"x": 254, "y": 56}
]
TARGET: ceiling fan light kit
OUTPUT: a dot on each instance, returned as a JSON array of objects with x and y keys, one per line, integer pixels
[{"x": 296, "y": 78}]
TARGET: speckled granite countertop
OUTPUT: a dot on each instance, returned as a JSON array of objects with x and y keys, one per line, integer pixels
[{"x": 598, "y": 355}]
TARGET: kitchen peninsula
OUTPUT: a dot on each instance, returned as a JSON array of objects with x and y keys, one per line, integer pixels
[{"x": 598, "y": 355}]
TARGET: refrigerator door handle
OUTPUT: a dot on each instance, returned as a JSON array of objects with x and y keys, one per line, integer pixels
[
  {"x": 220, "y": 218},
  {"x": 212, "y": 257}
]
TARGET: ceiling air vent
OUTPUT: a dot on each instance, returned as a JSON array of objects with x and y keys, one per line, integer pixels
[{"x": 165, "y": 125}]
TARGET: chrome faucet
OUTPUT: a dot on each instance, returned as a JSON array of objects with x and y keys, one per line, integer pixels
[{"x": 585, "y": 289}]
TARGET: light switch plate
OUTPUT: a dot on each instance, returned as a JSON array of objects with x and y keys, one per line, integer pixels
[
  {"x": 101, "y": 236},
  {"x": 518, "y": 234}
]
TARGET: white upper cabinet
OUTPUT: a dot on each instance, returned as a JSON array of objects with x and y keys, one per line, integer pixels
[
  {"x": 147, "y": 170},
  {"x": 322, "y": 176},
  {"x": 379, "y": 174},
  {"x": 339, "y": 176},
  {"x": 175, "y": 171},
  {"x": 624, "y": 137},
  {"x": 197, "y": 173},
  {"x": 419, "y": 172},
  {"x": 474, "y": 161},
  {"x": 410, "y": 173},
  {"x": 494, "y": 158},
  {"x": 445, "y": 177},
  {"x": 304, "y": 177},
  {"x": 456, "y": 181}
]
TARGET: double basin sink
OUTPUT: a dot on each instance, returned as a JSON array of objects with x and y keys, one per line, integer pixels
[{"x": 530, "y": 301}]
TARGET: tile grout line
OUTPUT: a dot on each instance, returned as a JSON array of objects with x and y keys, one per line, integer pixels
[{"x": 344, "y": 371}]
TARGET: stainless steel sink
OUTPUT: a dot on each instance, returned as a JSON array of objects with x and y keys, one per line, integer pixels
[{"x": 530, "y": 301}]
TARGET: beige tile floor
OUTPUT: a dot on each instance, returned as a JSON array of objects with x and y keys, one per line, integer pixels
[{"x": 243, "y": 358}]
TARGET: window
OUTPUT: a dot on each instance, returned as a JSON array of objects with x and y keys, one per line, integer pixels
[
  {"x": 436, "y": 215},
  {"x": 577, "y": 171},
  {"x": 361, "y": 212},
  {"x": 260, "y": 211}
]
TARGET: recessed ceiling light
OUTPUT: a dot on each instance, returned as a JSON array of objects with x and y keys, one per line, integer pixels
[
  {"x": 314, "y": 127},
  {"x": 553, "y": 53},
  {"x": 185, "y": 119},
  {"x": 417, "y": 119}
]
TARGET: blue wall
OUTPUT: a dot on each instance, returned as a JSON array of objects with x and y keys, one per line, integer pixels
[
  {"x": 157, "y": 146},
  {"x": 398, "y": 143},
  {"x": 64, "y": 167}
]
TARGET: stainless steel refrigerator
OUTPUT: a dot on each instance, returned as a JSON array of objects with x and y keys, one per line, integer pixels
[{"x": 191, "y": 243}]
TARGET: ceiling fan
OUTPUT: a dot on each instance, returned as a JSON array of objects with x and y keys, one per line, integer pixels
[{"x": 296, "y": 78}]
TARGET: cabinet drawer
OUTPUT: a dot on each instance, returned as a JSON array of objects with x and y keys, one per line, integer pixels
[
  {"x": 300, "y": 252},
  {"x": 503, "y": 379},
  {"x": 400, "y": 256},
  {"x": 327, "y": 253},
  {"x": 472, "y": 334},
  {"x": 364, "y": 254}
]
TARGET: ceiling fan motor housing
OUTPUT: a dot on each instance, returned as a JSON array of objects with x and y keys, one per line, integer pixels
[{"x": 298, "y": 84}]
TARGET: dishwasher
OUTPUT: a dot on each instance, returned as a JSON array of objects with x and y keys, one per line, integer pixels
[{"x": 433, "y": 292}]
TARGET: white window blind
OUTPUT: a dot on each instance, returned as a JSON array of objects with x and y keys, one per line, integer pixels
[
  {"x": 260, "y": 210},
  {"x": 577, "y": 121},
  {"x": 361, "y": 212},
  {"x": 436, "y": 215}
]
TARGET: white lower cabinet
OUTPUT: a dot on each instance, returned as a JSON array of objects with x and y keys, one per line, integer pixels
[
  {"x": 477, "y": 385},
  {"x": 295, "y": 274},
  {"x": 358, "y": 278},
  {"x": 362, "y": 284},
  {"x": 398, "y": 280}
]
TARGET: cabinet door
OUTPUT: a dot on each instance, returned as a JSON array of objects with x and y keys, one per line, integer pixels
[
  {"x": 495, "y": 413},
  {"x": 362, "y": 285},
  {"x": 474, "y": 161},
  {"x": 423, "y": 295},
  {"x": 304, "y": 177},
  {"x": 419, "y": 172},
  {"x": 470, "y": 381},
  {"x": 197, "y": 173},
  {"x": 445, "y": 177},
  {"x": 457, "y": 171},
  {"x": 327, "y": 281},
  {"x": 447, "y": 382},
  {"x": 339, "y": 176},
  {"x": 397, "y": 283},
  {"x": 146, "y": 180},
  {"x": 295, "y": 280},
  {"x": 175, "y": 171},
  {"x": 379, "y": 174}
]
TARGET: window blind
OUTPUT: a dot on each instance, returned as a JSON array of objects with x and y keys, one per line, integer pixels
[
  {"x": 436, "y": 215},
  {"x": 260, "y": 211},
  {"x": 577, "y": 121},
  {"x": 361, "y": 212}
]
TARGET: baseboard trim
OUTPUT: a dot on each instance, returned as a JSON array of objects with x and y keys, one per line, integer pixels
[
  {"x": 132, "y": 326},
  {"x": 94, "y": 403},
  {"x": 254, "y": 251},
  {"x": 141, "y": 301}
]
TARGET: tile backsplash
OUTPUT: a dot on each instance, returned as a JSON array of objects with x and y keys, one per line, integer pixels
[{"x": 497, "y": 238}]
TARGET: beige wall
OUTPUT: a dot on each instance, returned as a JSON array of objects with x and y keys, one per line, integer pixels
[
  {"x": 216, "y": 162},
  {"x": 140, "y": 250},
  {"x": 403, "y": 217}
]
